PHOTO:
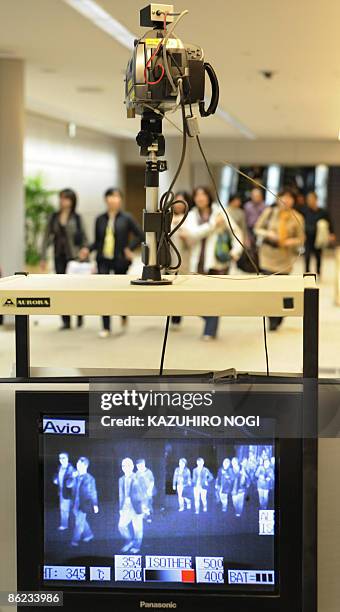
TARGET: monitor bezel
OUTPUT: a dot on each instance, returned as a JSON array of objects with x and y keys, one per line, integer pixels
[{"x": 31, "y": 405}]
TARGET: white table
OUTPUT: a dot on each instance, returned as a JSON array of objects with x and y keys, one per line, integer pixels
[{"x": 188, "y": 295}]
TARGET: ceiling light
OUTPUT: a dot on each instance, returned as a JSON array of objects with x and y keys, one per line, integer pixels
[
  {"x": 103, "y": 20},
  {"x": 220, "y": 112}
]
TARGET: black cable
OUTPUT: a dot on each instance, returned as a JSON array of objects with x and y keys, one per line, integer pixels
[
  {"x": 170, "y": 243},
  {"x": 253, "y": 263},
  {"x": 265, "y": 344},
  {"x": 176, "y": 228},
  {"x": 167, "y": 199},
  {"x": 165, "y": 340},
  {"x": 166, "y": 202},
  {"x": 238, "y": 240},
  {"x": 164, "y": 198},
  {"x": 166, "y": 235}
]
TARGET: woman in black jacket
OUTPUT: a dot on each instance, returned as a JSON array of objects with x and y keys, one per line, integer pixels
[
  {"x": 313, "y": 214},
  {"x": 65, "y": 231},
  {"x": 117, "y": 235}
]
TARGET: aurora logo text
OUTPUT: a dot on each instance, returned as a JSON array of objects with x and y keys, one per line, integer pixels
[{"x": 33, "y": 302}]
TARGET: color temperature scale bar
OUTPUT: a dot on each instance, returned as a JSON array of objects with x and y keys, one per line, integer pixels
[
  {"x": 169, "y": 568},
  {"x": 169, "y": 575}
]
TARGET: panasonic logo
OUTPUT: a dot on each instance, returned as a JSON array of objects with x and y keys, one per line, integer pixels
[
  {"x": 32, "y": 302},
  {"x": 158, "y": 604}
]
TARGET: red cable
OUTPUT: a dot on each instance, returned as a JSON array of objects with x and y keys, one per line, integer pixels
[
  {"x": 148, "y": 63},
  {"x": 158, "y": 65}
]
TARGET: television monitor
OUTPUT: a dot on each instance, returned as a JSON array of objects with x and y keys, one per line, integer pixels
[{"x": 164, "y": 523}]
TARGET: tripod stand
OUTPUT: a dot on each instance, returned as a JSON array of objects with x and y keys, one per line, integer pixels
[{"x": 152, "y": 144}]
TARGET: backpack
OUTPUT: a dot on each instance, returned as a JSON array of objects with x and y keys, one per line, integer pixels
[{"x": 223, "y": 247}]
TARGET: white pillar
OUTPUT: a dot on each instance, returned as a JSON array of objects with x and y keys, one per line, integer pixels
[{"x": 12, "y": 240}]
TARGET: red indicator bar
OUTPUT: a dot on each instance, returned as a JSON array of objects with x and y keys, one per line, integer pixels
[{"x": 188, "y": 575}]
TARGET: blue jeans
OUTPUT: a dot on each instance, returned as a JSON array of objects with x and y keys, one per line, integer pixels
[
  {"x": 81, "y": 527},
  {"x": 106, "y": 266},
  {"x": 238, "y": 501},
  {"x": 130, "y": 524},
  {"x": 64, "y": 506},
  {"x": 210, "y": 327}
]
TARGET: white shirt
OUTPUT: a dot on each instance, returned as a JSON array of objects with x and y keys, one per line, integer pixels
[{"x": 199, "y": 231}]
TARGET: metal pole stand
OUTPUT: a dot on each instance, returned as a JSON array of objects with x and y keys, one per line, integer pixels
[
  {"x": 22, "y": 342},
  {"x": 151, "y": 142},
  {"x": 310, "y": 446}
]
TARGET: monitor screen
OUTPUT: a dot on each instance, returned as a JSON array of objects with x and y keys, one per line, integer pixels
[{"x": 133, "y": 513}]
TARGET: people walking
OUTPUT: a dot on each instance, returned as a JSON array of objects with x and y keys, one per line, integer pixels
[
  {"x": 238, "y": 215},
  {"x": 239, "y": 486},
  {"x": 253, "y": 210},
  {"x": 182, "y": 483},
  {"x": 201, "y": 478},
  {"x": 146, "y": 482},
  {"x": 317, "y": 222},
  {"x": 213, "y": 244},
  {"x": 117, "y": 235},
  {"x": 63, "y": 480},
  {"x": 184, "y": 202},
  {"x": 281, "y": 233},
  {"x": 130, "y": 524},
  {"x": 265, "y": 482},
  {"x": 85, "y": 501},
  {"x": 65, "y": 231},
  {"x": 224, "y": 484}
]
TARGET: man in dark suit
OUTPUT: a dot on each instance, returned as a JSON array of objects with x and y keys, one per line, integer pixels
[
  {"x": 62, "y": 479},
  {"x": 131, "y": 497},
  {"x": 240, "y": 484},
  {"x": 146, "y": 482},
  {"x": 224, "y": 483},
  {"x": 85, "y": 500},
  {"x": 201, "y": 478},
  {"x": 117, "y": 235}
]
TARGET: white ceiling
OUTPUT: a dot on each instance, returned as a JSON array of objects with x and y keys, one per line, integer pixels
[{"x": 298, "y": 39}]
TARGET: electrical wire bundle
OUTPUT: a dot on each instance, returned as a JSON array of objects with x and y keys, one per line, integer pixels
[
  {"x": 167, "y": 201},
  {"x": 246, "y": 250},
  {"x": 164, "y": 68},
  {"x": 166, "y": 246},
  {"x": 167, "y": 198}
]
